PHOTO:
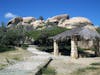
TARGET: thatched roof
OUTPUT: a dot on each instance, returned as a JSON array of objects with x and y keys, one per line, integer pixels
[{"x": 83, "y": 33}]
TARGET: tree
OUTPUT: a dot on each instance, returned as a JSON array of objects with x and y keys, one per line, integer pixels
[
  {"x": 41, "y": 18},
  {"x": 11, "y": 37}
]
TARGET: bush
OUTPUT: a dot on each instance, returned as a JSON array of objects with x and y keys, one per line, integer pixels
[
  {"x": 48, "y": 71},
  {"x": 5, "y": 48},
  {"x": 98, "y": 29},
  {"x": 41, "y": 36},
  {"x": 96, "y": 64},
  {"x": 24, "y": 46},
  {"x": 10, "y": 38}
]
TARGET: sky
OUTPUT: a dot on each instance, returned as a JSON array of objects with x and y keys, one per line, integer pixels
[{"x": 48, "y": 8}]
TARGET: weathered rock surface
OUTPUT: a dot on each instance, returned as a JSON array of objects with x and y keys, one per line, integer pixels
[
  {"x": 28, "y": 19},
  {"x": 37, "y": 23},
  {"x": 15, "y": 21},
  {"x": 22, "y": 21},
  {"x": 58, "y": 18},
  {"x": 75, "y": 22}
]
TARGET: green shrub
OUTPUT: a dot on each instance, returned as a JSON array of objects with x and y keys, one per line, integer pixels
[
  {"x": 36, "y": 34},
  {"x": 48, "y": 71},
  {"x": 96, "y": 64},
  {"x": 98, "y": 29},
  {"x": 6, "y": 48},
  {"x": 92, "y": 68},
  {"x": 24, "y": 46},
  {"x": 80, "y": 49}
]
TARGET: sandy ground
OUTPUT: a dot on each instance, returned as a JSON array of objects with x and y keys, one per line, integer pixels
[{"x": 64, "y": 65}]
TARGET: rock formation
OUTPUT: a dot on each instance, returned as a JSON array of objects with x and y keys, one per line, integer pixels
[
  {"x": 28, "y": 19},
  {"x": 14, "y": 21},
  {"x": 75, "y": 22},
  {"x": 37, "y": 23},
  {"x": 59, "y": 20}
]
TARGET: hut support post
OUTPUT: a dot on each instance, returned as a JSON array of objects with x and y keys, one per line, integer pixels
[
  {"x": 56, "y": 49},
  {"x": 74, "y": 51}
]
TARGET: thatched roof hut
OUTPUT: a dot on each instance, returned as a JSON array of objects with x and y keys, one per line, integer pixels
[{"x": 87, "y": 33}]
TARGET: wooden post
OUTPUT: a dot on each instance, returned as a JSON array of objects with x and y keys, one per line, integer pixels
[
  {"x": 74, "y": 51},
  {"x": 56, "y": 49}
]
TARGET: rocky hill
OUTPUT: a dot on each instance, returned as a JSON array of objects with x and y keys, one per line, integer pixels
[{"x": 62, "y": 20}]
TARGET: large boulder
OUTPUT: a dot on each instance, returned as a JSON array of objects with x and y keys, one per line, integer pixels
[
  {"x": 57, "y": 18},
  {"x": 74, "y": 22},
  {"x": 25, "y": 21},
  {"x": 28, "y": 19},
  {"x": 25, "y": 26},
  {"x": 37, "y": 23},
  {"x": 15, "y": 21}
]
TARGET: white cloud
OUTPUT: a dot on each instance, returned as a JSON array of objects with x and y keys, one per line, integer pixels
[{"x": 9, "y": 15}]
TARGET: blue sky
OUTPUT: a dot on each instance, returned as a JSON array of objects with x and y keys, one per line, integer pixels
[{"x": 49, "y": 8}]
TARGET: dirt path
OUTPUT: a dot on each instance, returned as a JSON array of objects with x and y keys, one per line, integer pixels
[
  {"x": 64, "y": 65},
  {"x": 30, "y": 66}
]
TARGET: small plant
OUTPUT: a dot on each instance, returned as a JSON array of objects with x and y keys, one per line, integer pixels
[
  {"x": 91, "y": 68},
  {"x": 16, "y": 58},
  {"x": 80, "y": 49},
  {"x": 24, "y": 46},
  {"x": 96, "y": 64},
  {"x": 2, "y": 66},
  {"x": 48, "y": 71}
]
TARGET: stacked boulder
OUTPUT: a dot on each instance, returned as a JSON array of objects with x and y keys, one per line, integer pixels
[
  {"x": 74, "y": 22},
  {"x": 57, "y": 18},
  {"x": 60, "y": 20},
  {"x": 27, "y": 22}
]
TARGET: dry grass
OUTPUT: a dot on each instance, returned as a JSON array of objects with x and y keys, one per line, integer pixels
[
  {"x": 92, "y": 70},
  {"x": 11, "y": 57}
]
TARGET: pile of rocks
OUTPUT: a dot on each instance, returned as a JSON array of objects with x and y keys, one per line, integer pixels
[{"x": 60, "y": 20}]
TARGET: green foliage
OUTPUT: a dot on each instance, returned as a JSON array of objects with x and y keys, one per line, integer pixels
[
  {"x": 3, "y": 48},
  {"x": 96, "y": 64},
  {"x": 92, "y": 68},
  {"x": 2, "y": 66},
  {"x": 41, "y": 36},
  {"x": 48, "y": 71},
  {"x": 33, "y": 34},
  {"x": 54, "y": 31},
  {"x": 10, "y": 38},
  {"x": 80, "y": 49},
  {"x": 36, "y": 34},
  {"x": 98, "y": 29},
  {"x": 24, "y": 46},
  {"x": 41, "y": 18}
]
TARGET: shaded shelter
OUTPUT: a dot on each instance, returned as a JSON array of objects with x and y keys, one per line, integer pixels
[{"x": 82, "y": 33}]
